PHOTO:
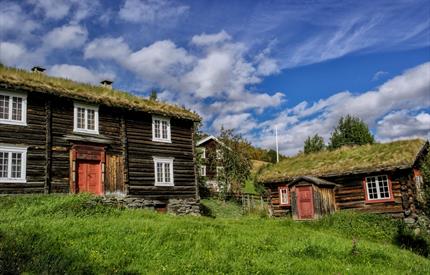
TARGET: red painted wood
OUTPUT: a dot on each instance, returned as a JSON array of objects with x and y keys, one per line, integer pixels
[
  {"x": 305, "y": 202},
  {"x": 89, "y": 177}
]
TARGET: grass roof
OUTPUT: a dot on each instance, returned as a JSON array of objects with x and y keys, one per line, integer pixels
[
  {"x": 346, "y": 160},
  {"x": 38, "y": 82}
]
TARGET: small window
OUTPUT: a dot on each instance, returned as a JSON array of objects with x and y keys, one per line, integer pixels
[
  {"x": 163, "y": 170},
  {"x": 202, "y": 152},
  {"x": 283, "y": 195},
  {"x": 203, "y": 170},
  {"x": 378, "y": 188},
  {"x": 218, "y": 153},
  {"x": 13, "y": 108},
  {"x": 12, "y": 164},
  {"x": 86, "y": 119},
  {"x": 161, "y": 129}
]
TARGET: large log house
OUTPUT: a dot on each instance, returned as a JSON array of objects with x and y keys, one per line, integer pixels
[{"x": 60, "y": 136}]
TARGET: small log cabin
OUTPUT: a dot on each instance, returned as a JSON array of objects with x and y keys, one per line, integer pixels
[
  {"x": 60, "y": 136},
  {"x": 378, "y": 178},
  {"x": 210, "y": 167}
]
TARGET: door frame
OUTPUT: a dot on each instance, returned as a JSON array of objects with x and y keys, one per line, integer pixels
[
  {"x": 299, "y": 216},
  {"x": 86, "y": 152}
]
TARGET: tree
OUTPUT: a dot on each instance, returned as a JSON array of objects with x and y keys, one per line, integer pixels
[
  {"x": 235, "y": 160},
  {"x": 350, "y": 131},
  {"x": 314, "y": 144},
  {"x": 272, "y": 156},
  {"x": 154, "y": 95}
]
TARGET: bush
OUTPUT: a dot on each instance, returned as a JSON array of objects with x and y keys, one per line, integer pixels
[{"x": 417, "y": 243}]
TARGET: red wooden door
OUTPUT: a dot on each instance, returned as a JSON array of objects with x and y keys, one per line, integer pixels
[
  {"x": 89, "y": 177},
  {"x": 305, "y": 202}
]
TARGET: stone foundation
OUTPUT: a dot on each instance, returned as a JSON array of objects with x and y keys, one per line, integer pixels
[{"x": 188, "y": 206}]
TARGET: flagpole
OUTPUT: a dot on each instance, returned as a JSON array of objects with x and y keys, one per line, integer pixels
[{"x": 277, "y": 149}]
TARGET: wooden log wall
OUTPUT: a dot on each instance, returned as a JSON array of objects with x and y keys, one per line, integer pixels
[
  {"x": 351, "y": 194},
  {"x": 33, "y": 136},
  {"x": 210, "y": 161},
  {"x": 141, "y": 150},
  {"x": 277, "y": 210}
]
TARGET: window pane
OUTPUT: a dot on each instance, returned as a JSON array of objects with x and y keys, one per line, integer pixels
[
  {"x": 91, "y": 119},
  {"x": 4, "y": 107},
  {"x": 166, "y": 172},
  {"x": 164, "y": 129},
  {"x": 16, "y": 108},
  {"x": 383, "y": 187},
  {"x": 371, "y": 188},
  {"x": 81, "y": 118},
  {"x": 16, "y": 165},
  {"x": 284, "y": 196},
  {"x": 157, "y": 128},
  {"x": 159, "y": 172},
  {"x": 3, "y": 164}
]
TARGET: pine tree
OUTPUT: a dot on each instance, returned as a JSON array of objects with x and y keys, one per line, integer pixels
[
  {"x": 154, "y": 95},
  {"x": 314, "y": 144},
  {"x": 350, "y": 131}
]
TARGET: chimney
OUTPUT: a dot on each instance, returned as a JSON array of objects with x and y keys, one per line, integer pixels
[
  {"x": 37, "y": 69},
  {"x": 106, "y": 83}
]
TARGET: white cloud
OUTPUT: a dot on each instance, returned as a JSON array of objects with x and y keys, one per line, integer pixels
[
  {"x": 66, "y": 37},
  {"x": 151, "y": 11},
  {"x": 378, "y": 75},
  {"x": 14, "y": 21},
  {"x": 79, "y": 73},
  {"x": 242, "y": 123},
  {"x": 107, "y": 48},
  {"x": 388, "y": 108},
  {"x": 17, "y": 55},
  {"x": 60, "y": 9},
  {"x": 210, "y": 39}
]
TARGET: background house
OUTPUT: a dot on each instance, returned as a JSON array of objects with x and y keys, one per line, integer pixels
[
  {"x": 378, "y": 178},
  {"x": 60, "y": 136}
]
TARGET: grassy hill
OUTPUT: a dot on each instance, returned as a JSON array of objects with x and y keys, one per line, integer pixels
[{"x": 74, "y": 234}]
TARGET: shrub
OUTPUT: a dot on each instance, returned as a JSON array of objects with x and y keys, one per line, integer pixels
[{"x": 417, "y": 243}]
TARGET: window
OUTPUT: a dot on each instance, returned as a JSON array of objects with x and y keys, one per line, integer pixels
[
  {"x": 378, "y": 188},
  {"x": 161, "y": 129},
  {"x": 163, "y": 170},
  {"x": 203, "y": 170},
  {"x": 218, "y": 153},
  {"x": 12, "y": 164},
  {"x": 86, "y": 119},
  {"x": 202, "y": 152},
  {"x": 13, "y": 108},
  {"x": 283, "y": 195}
]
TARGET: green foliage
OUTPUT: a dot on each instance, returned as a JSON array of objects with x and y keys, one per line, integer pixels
[
  {"x": 425, "y": 171},
  {"x": 350, "y": 131},
  {"x": 235, "y": 160},
  {"x": 59, "y": 241},
  {"x": 419, "y": 243},
  {"x": 314, "y": 144},
  {"x": 154, "y": 95}
]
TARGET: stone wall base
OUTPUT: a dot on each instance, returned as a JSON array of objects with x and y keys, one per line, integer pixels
[{"x": 188, "y": 206}]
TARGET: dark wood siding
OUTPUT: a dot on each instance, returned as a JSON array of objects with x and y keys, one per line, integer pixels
[
  {"x": 277, "y": 209},
  {"x": 141, "y": 150},
  {"x": 33, "y": 136}
]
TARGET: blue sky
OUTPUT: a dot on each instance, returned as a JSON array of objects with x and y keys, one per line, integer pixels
[{"x": 247, "y": 65}]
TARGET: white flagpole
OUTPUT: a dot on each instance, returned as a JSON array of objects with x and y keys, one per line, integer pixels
[{"x": 277, "y": 149}]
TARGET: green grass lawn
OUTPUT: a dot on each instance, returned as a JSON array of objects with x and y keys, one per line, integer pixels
[{"x": 67, "y": 234}]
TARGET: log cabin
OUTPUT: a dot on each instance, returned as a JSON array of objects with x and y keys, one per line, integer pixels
[
  {"x": 61, "y": 136},
  {"x": 209, "y": 149},
  {"x": 377, "y": 178}
]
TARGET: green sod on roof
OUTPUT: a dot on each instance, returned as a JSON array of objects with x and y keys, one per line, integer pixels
[
  {"x": 346, "y": 160},
  {"x": 37, "y": 82}
]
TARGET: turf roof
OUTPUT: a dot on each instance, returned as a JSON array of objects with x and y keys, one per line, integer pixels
[
  {"x": 38, "y": 82},
  {"x": 346, "y": 160}
]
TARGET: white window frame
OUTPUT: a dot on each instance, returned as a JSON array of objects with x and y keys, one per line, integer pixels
[
  {"x": 202, "y": 152},
  {"x": 156, "y": 179},
  {"x": 96, "y": 118},
  {"x": 378, "y": 191},
  {"x": 23, "y": 121},
  {"x": 161, "y": 139},
  {"x": 218, "y": 153},
  {"x": 281, "y": 201},
  {"x": 203, "y": 170},
  {"x": 13, "y": 149}
]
